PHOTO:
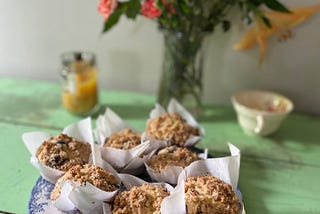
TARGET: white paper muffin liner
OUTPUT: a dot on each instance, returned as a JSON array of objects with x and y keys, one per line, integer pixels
[
  {"x": 80, "y": 130},
  {"x": 224, "y": 168},
  {"x": 175, "y": 106},
  {"x": 124, "y": 161},
  {"x": 87, "y": 198}
]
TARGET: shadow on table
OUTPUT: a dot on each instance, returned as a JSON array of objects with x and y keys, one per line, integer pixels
[
  {"x": 24, "y": 107},
  {"x": 131, "y": 111},
  {"x": 142, "y": 111},
  {"x": 218, "y": 114},
  {"x": 252, "y": 184},
  {"x": 299, "y": 128},
  {"x": 259, "y": 175},
  {"x": 298, "y": 134}
]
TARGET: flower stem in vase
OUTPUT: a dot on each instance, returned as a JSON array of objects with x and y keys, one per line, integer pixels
[{"x": 182, "y": 70}]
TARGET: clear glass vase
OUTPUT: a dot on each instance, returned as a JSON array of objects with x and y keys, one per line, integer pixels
[{"x": 182, "y": 70}]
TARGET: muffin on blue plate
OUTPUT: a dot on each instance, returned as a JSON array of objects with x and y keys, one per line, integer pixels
[
  {"x": 172, "y": 128},
  {"x": 125, "y": 139},
  {"x": 172, "y": 156},
  {"x": 95, "y": 175},
  {"x": 63, "y": 152},
  {"x": 208, "y": 194},
  {"x": 140, "y": 199}
]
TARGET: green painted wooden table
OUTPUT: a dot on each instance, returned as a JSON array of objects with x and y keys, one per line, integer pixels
[{"x": 279, "y": 174}]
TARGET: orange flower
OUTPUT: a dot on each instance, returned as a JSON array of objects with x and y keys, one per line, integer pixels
[{"x": 280, "y": 22}]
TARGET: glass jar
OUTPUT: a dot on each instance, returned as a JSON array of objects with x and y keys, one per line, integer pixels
[{"x": 79, "y": 83}]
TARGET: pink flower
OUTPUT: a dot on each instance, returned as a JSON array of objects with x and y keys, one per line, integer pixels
[
  {"x": 106, "y": 7},
  {"x": 149, "y": 9}
]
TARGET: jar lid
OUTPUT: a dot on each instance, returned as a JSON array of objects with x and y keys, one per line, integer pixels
[{"x": 70, "y": 57}]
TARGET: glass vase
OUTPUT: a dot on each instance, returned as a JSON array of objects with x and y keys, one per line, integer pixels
[{"x": 182, "y": 70}]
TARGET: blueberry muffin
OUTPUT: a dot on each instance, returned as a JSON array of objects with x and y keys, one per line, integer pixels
[
  {"x": 94, "y": 175},
  {"x": 140, "y": 200},
  {"x": 170, "y": 127},
  {"x": 62, "y": 152},
  {"x": 208, "y": 194},
  {"x": 172, "y": 156},
  {"x": 125, "y": 139}
]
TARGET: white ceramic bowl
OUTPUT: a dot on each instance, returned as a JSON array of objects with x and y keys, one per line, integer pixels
[{"x": 260, "y": 112}]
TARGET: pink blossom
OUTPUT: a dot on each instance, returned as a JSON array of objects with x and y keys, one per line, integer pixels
[
  {"x": 149, "y": 9},
  {"x": 106, "y": 7}
]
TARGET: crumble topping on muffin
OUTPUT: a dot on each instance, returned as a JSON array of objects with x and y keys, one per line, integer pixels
[
  {"x": 208, "y": 194},
  {"x": 126, "y": 139},
  {"x": 95, "y": 175},
  {"x": 62, "y": 152},
  {"x": 143, "y": 199},
  {"x": 170, "y": 127},
  {"x": 172, "y": 156}
]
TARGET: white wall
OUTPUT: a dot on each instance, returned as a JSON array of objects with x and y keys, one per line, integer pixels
[{"x": 34, "y": 33}]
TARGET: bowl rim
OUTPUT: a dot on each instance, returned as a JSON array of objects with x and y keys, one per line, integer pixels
[{"x": 236, "y": 102}]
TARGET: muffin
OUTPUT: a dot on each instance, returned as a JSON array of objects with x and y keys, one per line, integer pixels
[
  {"x": 172, "y": 156},
  {"x": 139, "y": 200},
  {"x": 170, "y": 127},
  {"x": 62, "y": 152},
  {"x": 126, "y": 139},
  {"x": 95, "y": 175},
  {"x": 208, "y": 194}
]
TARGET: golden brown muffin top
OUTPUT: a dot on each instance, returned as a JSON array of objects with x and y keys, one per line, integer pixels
[
  {"x": 170, "y": 127},
  {"x": 172, "y": 156},
  {"x": 208, "y": 194},
  {"x": 62, "y": 152},
  {"x": 126, "y": 139},
  {"x": 140, "y": 200},
  {"x": 95, "y": 175}
]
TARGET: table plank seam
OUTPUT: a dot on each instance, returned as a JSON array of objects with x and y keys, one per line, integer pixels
[
  {"x": 262, "y": 158},
  {"x": 15, "y": 122}
]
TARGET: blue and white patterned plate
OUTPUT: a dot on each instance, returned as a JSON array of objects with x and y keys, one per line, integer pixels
[{"x": 40, "y": 198}]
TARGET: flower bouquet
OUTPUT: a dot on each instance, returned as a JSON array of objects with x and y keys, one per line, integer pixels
[{"x": 185, "y": 24}]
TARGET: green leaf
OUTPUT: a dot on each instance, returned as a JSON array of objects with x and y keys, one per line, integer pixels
[
  {"x": 275, "y": 5},
  {"x": 112, "y": 20},
  {"x": 267, "y": 22},
  {"x": 133, "y": 8},
  {"x": 255, "y": 3},
  {"x": 261, "y": 16},
  {"x": 159, "y": 4},
  {"x": 226, "y": 25},
  {"x": 185, "y": 8}
]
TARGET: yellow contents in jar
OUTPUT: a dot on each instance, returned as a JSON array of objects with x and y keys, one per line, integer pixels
[{"x": 81, "y": 95}]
